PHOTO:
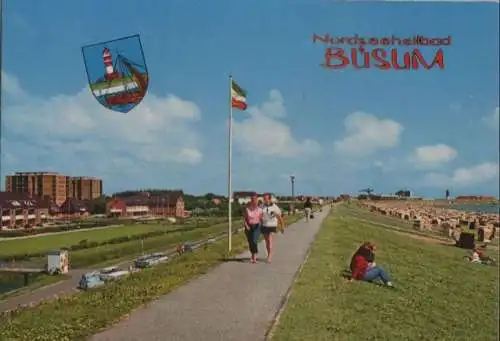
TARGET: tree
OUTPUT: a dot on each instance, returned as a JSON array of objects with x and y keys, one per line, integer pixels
[
  {"x": 210, "y": 196},
  {"x": 98, "y": 205}
]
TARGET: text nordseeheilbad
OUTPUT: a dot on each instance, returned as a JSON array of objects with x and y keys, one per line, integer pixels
[
  {"x": 384, "y": 53},
  {"x": 417, "y": 40}
]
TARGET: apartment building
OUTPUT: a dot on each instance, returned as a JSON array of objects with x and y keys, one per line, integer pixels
[
  {"x": 57, "y": 186},
  {"x": 168, "y": 203},
  {"x": 84, "y": 188},
  {"x": 51, "y": 184}
]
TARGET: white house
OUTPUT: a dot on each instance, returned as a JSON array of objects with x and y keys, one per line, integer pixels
[{"x": 244, "y": 198}]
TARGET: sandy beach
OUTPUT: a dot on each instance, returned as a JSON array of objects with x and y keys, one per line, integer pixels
[{"x": 426, "y": 216}]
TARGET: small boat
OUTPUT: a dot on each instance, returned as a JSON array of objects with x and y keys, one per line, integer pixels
[
  {"x": 90, "y": 280},
  {"x": 112, "y": 272},
  {"x": 150, "y": 260}
]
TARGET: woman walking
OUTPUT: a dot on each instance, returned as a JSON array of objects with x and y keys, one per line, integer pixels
[
  {"x": 271, "y": 219},
  {"x": 253, "y": 217}
]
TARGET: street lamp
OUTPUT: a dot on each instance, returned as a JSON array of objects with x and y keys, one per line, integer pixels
[
  {"x": 292, "y": 205},
  {"x": 1, "y": 55}
]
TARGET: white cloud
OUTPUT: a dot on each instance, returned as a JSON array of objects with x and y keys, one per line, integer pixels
[
  {"x": 262, "y": 133},
  {"x": 464, "y": 177},
  {"x": 367, "y": 134},
  {"x": 432, "y": 156},
  {"x": 493, "y": 120},
  {"x": 76, "y": 132},
  {"x": 11, "y": 86}
]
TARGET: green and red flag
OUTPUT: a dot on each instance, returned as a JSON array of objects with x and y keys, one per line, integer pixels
[{"x": 238, "y": 96}]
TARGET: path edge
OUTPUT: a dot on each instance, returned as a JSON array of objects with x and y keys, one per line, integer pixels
[{"x": 276, "y": 318}]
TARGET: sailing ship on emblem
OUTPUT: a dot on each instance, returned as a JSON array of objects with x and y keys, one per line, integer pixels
[{"x": 119, "y": 83}]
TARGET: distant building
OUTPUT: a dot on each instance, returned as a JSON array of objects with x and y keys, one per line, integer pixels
[
  {"x": 404, "y": 193},
  {"x": 73, "y": 208},
  {"x": 475, "y": 198},
  {"x": 20, "y": 210},
  {"x": 56, "y": 186},
  {"x": 168, "y": 203},
  {"x": 244, "y": 197},
  {"x": 84, "y": 188},
  {"x": 51, "y": 184}
]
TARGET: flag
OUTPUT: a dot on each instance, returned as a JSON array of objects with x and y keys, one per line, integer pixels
[{"x": 238, "y": 97}]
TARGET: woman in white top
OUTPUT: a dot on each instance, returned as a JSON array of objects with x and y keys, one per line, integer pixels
[{"x": 271, "y": 220}]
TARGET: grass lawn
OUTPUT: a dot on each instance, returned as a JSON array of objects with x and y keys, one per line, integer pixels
[
  {"x": 125, "y": 251},
  {"x": 438, "y": 295},
  {"x": 56, "y": 241},
  {"x": 104, "y": 254}
]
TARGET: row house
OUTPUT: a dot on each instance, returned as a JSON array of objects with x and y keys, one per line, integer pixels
[
  {"x": 19, "y": 210},
  {"x": 166, "y": 203},
  {"x": 72, "y": 209}
]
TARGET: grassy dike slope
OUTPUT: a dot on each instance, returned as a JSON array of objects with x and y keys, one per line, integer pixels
[{"x": 438, "y": 295}]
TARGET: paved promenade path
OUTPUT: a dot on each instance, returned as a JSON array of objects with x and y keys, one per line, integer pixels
[{"x": 235, "y": 301}]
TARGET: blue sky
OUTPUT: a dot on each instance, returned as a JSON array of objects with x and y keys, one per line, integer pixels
[{"x": 336, "y": 131}]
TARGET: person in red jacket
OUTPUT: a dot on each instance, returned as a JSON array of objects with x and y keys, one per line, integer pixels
[{"x": 363, "y": 267}]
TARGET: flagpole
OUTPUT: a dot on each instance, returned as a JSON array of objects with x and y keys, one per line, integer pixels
[
  {"x": 230, "y": 166},
  {"x": 1, "y": 68}
]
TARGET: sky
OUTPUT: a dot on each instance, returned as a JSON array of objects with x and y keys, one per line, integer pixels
[{"x": 337, "y": 131}]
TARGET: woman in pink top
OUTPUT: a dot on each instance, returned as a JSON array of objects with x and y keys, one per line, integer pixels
[{"x": 253, "y": 216}]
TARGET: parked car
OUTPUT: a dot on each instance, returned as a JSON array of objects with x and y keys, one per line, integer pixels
[
  {"x": 182, "y": 248},
  {"x": 150, "y": 260},
  {"x": 90, "y": 280},
  {"x": 112, "y": 272}
]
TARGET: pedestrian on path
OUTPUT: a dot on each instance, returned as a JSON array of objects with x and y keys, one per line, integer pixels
[
  {"x": 252, "y": 219},
  {"x": 271, "y": 219},
  {"x": 308, "y": 208}
]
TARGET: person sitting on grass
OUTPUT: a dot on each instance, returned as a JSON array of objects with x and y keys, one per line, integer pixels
[
  {"x": 367, "y": 251},
  {"x": 363, "y": 267},
  {"x": 479, "y": 257}
]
